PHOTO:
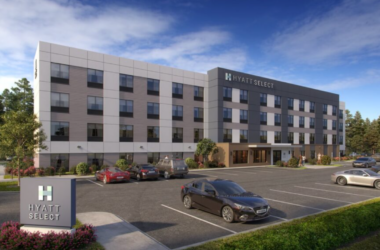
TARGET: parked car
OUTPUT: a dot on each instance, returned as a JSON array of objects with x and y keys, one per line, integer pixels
[
  {"x": 376, "y": 169},
  {"x": 169, "y": 168},
  {"x": 224, "y": 198},
  {"x": 376, "y": 157},
  {"x": 143, "y": 172},
  {"x": 364, "y": 162},
  {"x": 364, "y": 177},
  {"x": 112, "y": 174}
]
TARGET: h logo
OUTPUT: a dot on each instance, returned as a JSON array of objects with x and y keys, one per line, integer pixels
[
  {"x": 48, "y": 193},
  {"x": 228, "y": 76}
]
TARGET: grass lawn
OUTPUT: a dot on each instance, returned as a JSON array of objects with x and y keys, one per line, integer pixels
[
  {"x": 9, "y": 186},
  {"x": 3, "y": 163},
  {"x": 368, "y": 243}
]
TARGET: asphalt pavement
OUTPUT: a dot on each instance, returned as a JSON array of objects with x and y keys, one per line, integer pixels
[{"x": 155, "y": 207}]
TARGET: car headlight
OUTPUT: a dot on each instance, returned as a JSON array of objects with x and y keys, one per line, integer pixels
[{"x": 243, "y": 208}]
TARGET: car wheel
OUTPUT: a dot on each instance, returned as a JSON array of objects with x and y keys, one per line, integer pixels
[
  {"x": 377, "y": 184},
  {"x": 182, "y": 176},
  {"x": 138, "y": 178},
  {"x": 228, "y": 214},
  {"x": 105, "y": 180},
  {"x": 366, "y": 165},
  {"x": 341, "y": 181},
  {"x": 167, "y": 175},
  {"x": 187, "y": 201}
]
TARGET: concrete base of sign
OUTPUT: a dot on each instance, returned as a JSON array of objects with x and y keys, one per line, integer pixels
[{"x": 44, "y": 230}]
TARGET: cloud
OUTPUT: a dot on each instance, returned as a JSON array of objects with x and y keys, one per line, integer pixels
[
  {"x": 348, "y": 31},
  {"x": 7, "y": 82}
]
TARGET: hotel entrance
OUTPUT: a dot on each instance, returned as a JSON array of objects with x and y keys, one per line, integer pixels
[
  {"x": 259, "y": 156},
  {"x": 276, "y": 156}
]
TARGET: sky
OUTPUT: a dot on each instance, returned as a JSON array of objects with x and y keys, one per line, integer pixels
[{"x": 331, "y": 45}]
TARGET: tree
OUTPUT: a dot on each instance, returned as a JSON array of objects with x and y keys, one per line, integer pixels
[
  {"x": 355, "y": 130},
  {"x": 205, "y": 147},
  {"x": 371, "y": 137},
  {"x": 19, "y": 98},
  {"x": 21, "y": 136}
]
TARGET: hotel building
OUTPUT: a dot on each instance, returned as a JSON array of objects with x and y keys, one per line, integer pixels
[{"x": 98, "y": 108}]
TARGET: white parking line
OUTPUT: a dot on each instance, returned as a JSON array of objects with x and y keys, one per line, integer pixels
[
  {"x": 95, "y": 182},
  {"x": 278, "y": 218},
  {"x": 310, "y": 196},
  {"x": 192, "y": 216},
  {"x": 335, "y": 191},
  {"x": 229, "y": 174},
  {"x": 212, "y": 176},
  {"x": 366, "y": 188},
  {"x": 298, "y": 205}
]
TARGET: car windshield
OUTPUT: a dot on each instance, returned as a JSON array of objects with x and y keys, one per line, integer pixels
[
  {"x": 178, "y": 163},
  {"x": 228, "y": 188},
  {"x": 370, "y": 172},
  {"x": 114, "y": 170},
  {"x": 147, "y": 166},
  {"x": 362, "y": 159}
]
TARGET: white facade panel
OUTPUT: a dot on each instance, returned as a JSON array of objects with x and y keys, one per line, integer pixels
[
  {"x": 111, "y": 132},
  {"x": 78, "y": 53},
  {"x": 153, "y": 147},
  {"x": 166, "y": 70},
  {"x": 236, "y": 95},
  {"x": 62, "y": 147},
  {"x": 45, "y": 98},
  {"x": 329, "y": 139},
  {"x": 111, "y": 107},
  {"x": 307, "y": 106},
  {"x": 78, "y": 62},
  {"x": 270, "y": 136},
  {"x": 78, "y": 146},
  {"x": 188, "y": 74},
  {"x": 44, "y": 72},
  {"x": 296, "y": 138},
  {"x": 111, "y": 147},
  {"x": 329, "y": 124},
  {"x": 111, "y": 94},
  {"x": 165, "y": 77},
  {"x": 55, "y": 58},
  {"x": 95, "y": 147},
  {"x": 140, "y": 65},
  {"x": 153, "y": 75},
  {"x": 126, "y": 62},
  {"x": 235, "y": 135},
  {"x": 296, "y": 105},
  {"x": 236, "y": 115},
  {"x": 177, "y": 72},
  {"x": 165, "y": 134},
  {"x": 307, "y": 122},
  {"x": 111, "y": 59},
  {"x": 296, "y": 121},
  {"x": 111, "y": 81},
  {"x": 95, "y": 65},
  {"x": 199, "y": 83},
  {"x": 270, "y": 101},
  {"x": 140, "y": 72},
  {"x": 165, "y": 147},
  {"x": 188, "y": 81},
  {"x": 126, "y": 147},
  {"x": 126, "y": 70},
  {"x": 153, "y": 67},
  {"x": 45, "y": 56},
  {"x": 178, "y": 79},
  {"x": 270, "y": 119},
  {"x": 329, "y": 109},
  {"x": 189, "y": 147},
  {"x": 43, "y": 46},
  {"x": 307, "y": 138},
  {"x": 59, "y": 49},
  {"x": 111, "y": 67},
  {"x": 166, "y": 88},
  {"x": 140, "y": 147},
  {"x": 165, "y": 111},
  {"x": 94, "y": 56}
]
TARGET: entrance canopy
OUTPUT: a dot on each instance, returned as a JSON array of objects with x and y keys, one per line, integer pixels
[{"x": 275, "y": 145}]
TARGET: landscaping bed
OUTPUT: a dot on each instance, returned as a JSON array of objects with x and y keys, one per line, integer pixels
[
  {"x": 9, "y": 186},
  {"x": 328, "y": 230}
]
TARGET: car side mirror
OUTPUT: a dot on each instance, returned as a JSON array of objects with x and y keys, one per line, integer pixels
[{"x": 211, "y": 192}]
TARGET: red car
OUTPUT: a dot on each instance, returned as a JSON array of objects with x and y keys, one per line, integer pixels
[{"x": 111, "y": 174}]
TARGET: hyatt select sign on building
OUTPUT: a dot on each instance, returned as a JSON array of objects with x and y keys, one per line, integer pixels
[{"x": 48, "y": 202}]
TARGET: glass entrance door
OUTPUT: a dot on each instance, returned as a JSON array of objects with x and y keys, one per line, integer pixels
[{"x": 276, "y": 156}]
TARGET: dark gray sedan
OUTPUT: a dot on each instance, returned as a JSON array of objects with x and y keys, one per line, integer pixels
[
  {"x": 376, "y": 169},
  {"x": 364, "y": 177},
  {"x": 364, "y": 162}
]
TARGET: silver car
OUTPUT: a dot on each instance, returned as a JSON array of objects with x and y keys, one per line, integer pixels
[
  {"x": 169, "y": 168},
  {"x": 364, "y": 177}
]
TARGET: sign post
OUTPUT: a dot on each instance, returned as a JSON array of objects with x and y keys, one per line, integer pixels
[{"x": 48, "y": 204}]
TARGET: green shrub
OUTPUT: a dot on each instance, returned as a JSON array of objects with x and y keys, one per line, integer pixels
[
  {"x": 154, "y": 163},
  {"x": 221, "y": 165},
  {"x": 121, "y": 163},
  {"x": 82, "y": 168},
  {"x": 191, "y": 163},
  {"x": 124, "y": 167},
  {"x": 293, "y": 163},
  {"x": 73, "y": 169},
  {"x": 279, "y": 163},
  {"x": 133, "y": 164},
  {"x": 61, "y": 170},
  {"x": 104, "y": 166},
  {"x": 206, "y": 164},
  {"x": 328, "y": 230},
  {"x": 213, "y": 164},
  {"x": 95, "y": 167},
  {"x": 326, "y": 160},
  {"x": 312, "y": 161},
  {"x": 49, "y": 171}
]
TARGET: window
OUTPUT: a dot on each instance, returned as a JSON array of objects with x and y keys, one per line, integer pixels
[
  {"x": 177, "y": 90},
  {"x": 263, "y": 99},
  {"x": 325, "y": 109},
  {"x": 341, "y": 127},
  {"x": 227, "y": 135},
  {"x": 259, "y": 155},
  {"x": 95, "y": 159},
  {"x": 227, "y": 94},
  {"x": 312, "y": 122},
  {"x": 59, "y": 73},
  {"x": 302, "y": 122},
  {"x": 94, "y": 78},
  {"x": 277, "y": 101},
  {"x": 334, "y": 139},
  {"x": 177, "y": 134},
  {"x": 127, "y": 156},
  {"x": 334, "y": 125},
  {"x": 227, "y": 115},
  {"x": 59, "y": 102},
  {"x": 263, "y": 136},
  {"x": 243, "y": 136},
  {"x": 243, "y": 116},
  {"x": 59, "y": 131},
  {"x": 126, "y": 83},
  {"x": 59, "y": 160},
  {"x": 177, "y": 155},
  {"x": 312, "y": 138},
  {"x": 126, "y": 133},
  {"x": 277, "y": 137},
  {"x": 198, "y": 114},
  {"x": 277, "y": 119},
  {"x": 153, "y": 157},
  {"x": 312, "y": 107},
  {"x": 198, "y": 134},
  {"x": 198, "y": 93},
  {"x": 126, "y": 108},
  {"x": 290, "y": 137},
  {"x": 302, "y": 105},
  {"x": 243, "y": 96},
  {"x": 301, "y": 138},
  {"x": 177, "y": 113},
  {"x": 333, "y": 110},
  {"x": 324, "y": 123},
  {"x": 94, "y": 105},
  {"x": 341, "y": 139},
  {"x": 263, "y": 118},
  {"x": 94, "y": 132},
  {"x": 340, "y": 114},
  {"x": 153, "y": 110},
  {"x": 324, "y": 139},
  {"x": 240, "y": 156},
  {"x": 153, "y": 87},
  {"x": 153, "y": 134},
  {"x": 290, "y": 103},
  {"x": 312, "y": 154},
  {"x": 290, "y": 120}
]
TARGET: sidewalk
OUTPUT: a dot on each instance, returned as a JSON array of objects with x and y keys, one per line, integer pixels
[{"x": 117, "y": 234}]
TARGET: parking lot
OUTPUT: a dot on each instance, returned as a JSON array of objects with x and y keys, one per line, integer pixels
[{"x": 156, "y": 209}]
